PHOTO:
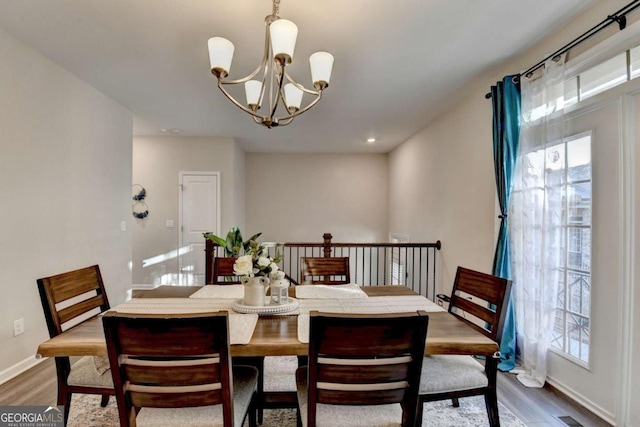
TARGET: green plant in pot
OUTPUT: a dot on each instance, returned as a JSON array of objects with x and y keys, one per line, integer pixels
[{"x": 233, "y": 245}]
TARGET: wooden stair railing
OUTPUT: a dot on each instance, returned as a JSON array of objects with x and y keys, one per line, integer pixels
[{"x": 410, "y": 264}]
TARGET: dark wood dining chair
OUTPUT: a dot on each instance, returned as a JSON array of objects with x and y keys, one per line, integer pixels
[
  {"x": 324, "y": 271},
  {"x": 172, "y": 370},
  {"x": 88, "y": 375},
  {"x": 364, "y": 370},
  {"x": 480, "y": 300},
  {"x": 223, "y": 272}
]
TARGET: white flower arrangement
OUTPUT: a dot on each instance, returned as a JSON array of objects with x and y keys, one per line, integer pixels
[{"x": 252, "y": 257}]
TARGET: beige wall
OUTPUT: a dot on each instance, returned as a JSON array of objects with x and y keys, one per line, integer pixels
[
  {"x": 65, "y": 164},
  {"x": 298, "y": 197},
  {"x": 443, "y": 179},
  {"x": 441, "y": 187},
  {"x": 157, "y": 162}
]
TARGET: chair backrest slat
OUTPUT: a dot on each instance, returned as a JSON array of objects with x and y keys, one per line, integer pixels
[
  {"x": 489, "y": 297},
  {"x": 324, "y": 270}
]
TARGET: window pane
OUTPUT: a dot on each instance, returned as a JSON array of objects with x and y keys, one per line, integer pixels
[
  {"x": 579, "y": 204},
  {"x": 578, "y": 293},
  {"x": 557, "y": 338},
  {"x": 579, "y": 158},
  {"x": 604, "y": 76},
  {"x": 579, "y": 250}
]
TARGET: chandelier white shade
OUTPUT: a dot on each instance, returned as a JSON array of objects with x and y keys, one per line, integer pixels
[
  {"x": 270, "y": 83},
  {"x": 284, "y": 34}
]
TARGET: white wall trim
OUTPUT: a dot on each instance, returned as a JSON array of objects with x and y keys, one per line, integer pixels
[
  {"x": 627, "y": 264},
  {"x": 141, "y": 286},
  {"x": 20, "y": 367},
  {"x": 580, "y": 399}
]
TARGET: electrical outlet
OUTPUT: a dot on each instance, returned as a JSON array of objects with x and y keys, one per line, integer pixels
[{"x": 18, "y": 327}]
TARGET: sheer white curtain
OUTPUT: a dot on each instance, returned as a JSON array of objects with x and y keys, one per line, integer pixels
[{"x": 535, "y": 218}]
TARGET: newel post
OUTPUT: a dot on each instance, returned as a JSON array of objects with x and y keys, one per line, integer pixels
[
  {"x": 208, "y": 267},
  {"x": 327, "y": 244}
]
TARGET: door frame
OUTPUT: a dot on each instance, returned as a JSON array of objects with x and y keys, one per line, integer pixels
[{"x": 181, "y": 175}]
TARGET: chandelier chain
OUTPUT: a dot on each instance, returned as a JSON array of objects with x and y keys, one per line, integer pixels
[{"x": 276, "y": 7}]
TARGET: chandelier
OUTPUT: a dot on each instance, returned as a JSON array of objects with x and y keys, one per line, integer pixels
[{"x": 270, "y": 81}]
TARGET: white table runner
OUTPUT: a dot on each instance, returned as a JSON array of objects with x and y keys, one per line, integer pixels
[
  {"x": 219, "y": 291},
  {"x": 241, "y": 326},
  {"x": 350, "y": 290},
  {"x": 374, "y": 305}
]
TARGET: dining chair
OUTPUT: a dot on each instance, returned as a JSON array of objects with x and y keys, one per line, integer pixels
[
  {"x": 68, "y": 299},
  {"x": 363, "y": 369},
  {"x": 324, "y": 270},
  {"x": 480, "y": 300},
  {"x": 175, "y": 369},
  {"x": 223, "y": 272}
]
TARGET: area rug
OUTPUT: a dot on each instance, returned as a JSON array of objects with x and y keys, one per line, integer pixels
[{"x": 86, "y": 410}]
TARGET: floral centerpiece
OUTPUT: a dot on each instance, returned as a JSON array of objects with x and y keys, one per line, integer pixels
[
  {"x": 256, "y": 262},
  {"x": 253, "y": 264},
  {"x": 253, "y": 259}
]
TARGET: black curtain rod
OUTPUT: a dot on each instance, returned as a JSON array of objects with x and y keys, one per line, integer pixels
[{"x": 619, "y": 17}]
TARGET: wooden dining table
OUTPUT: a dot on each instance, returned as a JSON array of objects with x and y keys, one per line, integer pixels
[{"x": 276, "y": 335}]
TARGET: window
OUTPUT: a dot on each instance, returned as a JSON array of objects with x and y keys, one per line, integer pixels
[
  {"x": 608, "y": 74},
  {"x": 571, "y": 332}
]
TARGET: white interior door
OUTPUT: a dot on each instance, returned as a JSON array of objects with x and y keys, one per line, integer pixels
[{"x": 199, "y": 213}]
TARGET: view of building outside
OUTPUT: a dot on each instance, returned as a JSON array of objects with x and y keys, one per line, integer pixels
[{"x": 572, "y": 325}]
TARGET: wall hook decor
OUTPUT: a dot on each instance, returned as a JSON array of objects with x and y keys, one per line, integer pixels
[
  {"x": 139, "y": 208},
  {"x": 139, "y": 192}
]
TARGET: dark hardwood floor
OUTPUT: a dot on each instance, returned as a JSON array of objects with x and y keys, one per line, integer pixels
[{"x": 535, "y": 407}]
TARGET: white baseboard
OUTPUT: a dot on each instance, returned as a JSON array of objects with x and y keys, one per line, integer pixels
[
  {"x": 143, "y": 286},
  {"x": 588, "y": 404},
  {"x": 18, "y": 368}
]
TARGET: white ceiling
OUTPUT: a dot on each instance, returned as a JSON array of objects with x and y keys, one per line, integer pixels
[{"x": 395, "y": 61}]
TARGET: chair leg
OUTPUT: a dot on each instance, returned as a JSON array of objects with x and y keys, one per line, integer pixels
[
  {"x": 419, "y": 412},
  {"x": 252, "y": 411},
  {"x": 67, "y": 405},
  {"x": 491, "y": 401},
  {"x": 455, "y": 402},
  {"x": 64, "y": 397},
  {"x": 491, "y": 395},
  {"x": 105, "y": 400}
]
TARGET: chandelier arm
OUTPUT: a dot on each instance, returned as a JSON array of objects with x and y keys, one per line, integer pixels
[
  {"x": 300, "y": 86},
  {"x": 265, "y": 58},
  {"x": 237, "y": 104},
  {"x": 303, "y": 110}
]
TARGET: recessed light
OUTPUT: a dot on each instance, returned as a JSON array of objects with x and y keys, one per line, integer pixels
[
  {"x": 174, "y": 130},
  {"x": 371, "y": 140}
]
